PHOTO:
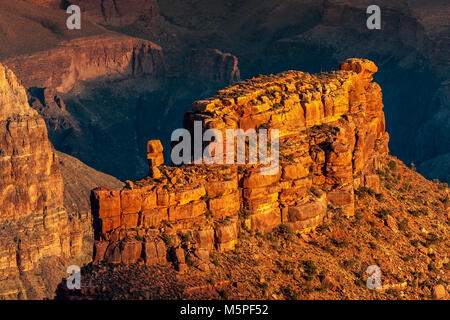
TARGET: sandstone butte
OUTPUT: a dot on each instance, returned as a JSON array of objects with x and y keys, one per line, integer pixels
[
  {"x": 332, "y": 141},
  {"x": 35, "y": 229}
]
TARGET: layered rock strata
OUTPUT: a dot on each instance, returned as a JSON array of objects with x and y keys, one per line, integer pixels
[
  {"x": 34, "y": 225},
  {"x": 332, "y": 140},
  {"x": 118, "y": 12},
  {"x": 212, "y": 65},
  {"x": 97, "y": 58}
]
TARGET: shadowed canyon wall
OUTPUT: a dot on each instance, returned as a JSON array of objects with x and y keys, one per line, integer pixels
[{"x": 267, "y": 37}]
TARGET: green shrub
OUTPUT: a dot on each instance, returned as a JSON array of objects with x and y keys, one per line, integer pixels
[
  {"x": 310, "y": 267},
  {"x": 289, "y": 293},
  {"x": 244, "y": 214},
  {"x": 363, "y": 191},
  {"x": 167, "y": 240},
  {"x": 403, "y": 225},
  {"x": 392, "y": 165}
]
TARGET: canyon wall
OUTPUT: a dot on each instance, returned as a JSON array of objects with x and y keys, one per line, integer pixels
[
  {"x": 332, "y": 140},
  {"x": 212, "y": 65},
  {"x": 109, "y": 12},
  {"x": 104, "y": 58},
  {"x": 117, "y": 12},
  {"x": 36, "y": 232},
  {"x": 54, "y": 4},
  {"x": 418, "y": 27}
]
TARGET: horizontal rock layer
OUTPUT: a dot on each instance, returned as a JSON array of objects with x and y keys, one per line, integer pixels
[
  {"x": 117, "y": 12},
  {"x": 332, "y": 140},
  {"x": 101, "y": 58},
  {"x": 34, "y": 225}
]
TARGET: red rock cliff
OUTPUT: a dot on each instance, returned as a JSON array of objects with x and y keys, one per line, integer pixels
[
  {"x": 34, "y": 226},
  {"x": 117, "y": 12},
  {"x": 88, "y": 59},
  {"x": 332, "y": 139}
]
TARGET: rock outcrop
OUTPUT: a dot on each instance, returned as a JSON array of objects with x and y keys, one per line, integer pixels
[
  {"x": 332, "y": 140},
  {"x": 34, "y": 225},
  {"x": 212, "y": 65},
  {"x": 45, "y": 213}
]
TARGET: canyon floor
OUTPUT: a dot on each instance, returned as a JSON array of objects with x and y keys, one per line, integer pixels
[{"x": 403, "y": 230}]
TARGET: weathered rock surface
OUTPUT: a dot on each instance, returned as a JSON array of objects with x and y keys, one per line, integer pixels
[
  {"x": 100, "y": 58},
  {"x": 332, "y": 141},
  {"x": 328, "y": 263},
  {"x": 45, "y": 218},
  {"x": 212, "y": 65},
  {"x": 34, "y": 224},
  {"x": 55, "y": 4},
  {"x": 28, "y": 28},
  {"x": 117, "y": 12}
]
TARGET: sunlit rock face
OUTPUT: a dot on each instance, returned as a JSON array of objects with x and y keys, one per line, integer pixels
[
  {"x": 34, "y": 226},
  {"x": 99, "y": 58},
  {"x": 332, "y": 140}
]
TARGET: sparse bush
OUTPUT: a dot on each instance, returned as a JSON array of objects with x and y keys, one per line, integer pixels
[
  {"x": 186, "y": 237},
  {"x": 289, "y": 293},
  {"x": 316, "y": 192},
  {"x": 310, "y": 267},
  {"x": 284, "y": 229},
  {"x": 359, "y": 216},
  {"x": 189, "y": 261},
  {"x": 287, "y": 267},
  {"x": 392, "y": 165},
  {"x": 215, "y": 261},
  {"x": 442, "y": 186},
  {"x": 363, "y": 191},
  {"x": 379, "y": 197},
  {"x": 244, "y": 227},
  {"x": 265, "y": 286},
  {"x": 403, "y": 225},
  {"x": 87, "y": 268},
  {"x": 415, "y": 243},
  {"x": 343, "y": 243},
  {"x": 290, "y": 157},
  {"x": 244, "y": 214},
  {"x": 223, "y": 294},
  {"x": 432, "y": 238},
  {"x": 167, "y": 240}
]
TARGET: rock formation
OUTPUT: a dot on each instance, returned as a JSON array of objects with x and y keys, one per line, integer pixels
[
  {"x": 54, "y": 4},
  {"x": 34, "y": 225},
  {"x": 117, "y": 12},
  {"x": 45, "y": 218},
  {"x": 212, "y": 65},
  {"x": 100, "y": 58},
  {"x": 332, "y": 141}
]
